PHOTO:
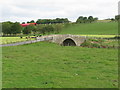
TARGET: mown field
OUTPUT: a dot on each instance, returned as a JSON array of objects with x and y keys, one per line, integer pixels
[
  {"x": 48, "y": 65},
  {"x": 92, "y": 28}
]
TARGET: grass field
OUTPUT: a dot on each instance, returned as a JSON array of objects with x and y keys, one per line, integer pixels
[
  {"x": 92, "y": 28},
  {"x": 111, "y": 43},
  {"x": 47, "y": 65},
  {"x": 7, "y": 40}
]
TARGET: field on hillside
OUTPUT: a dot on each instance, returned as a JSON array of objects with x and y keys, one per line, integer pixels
[
  {"x": 48, "y": 65},
  {"x": 92, "y": 28}
]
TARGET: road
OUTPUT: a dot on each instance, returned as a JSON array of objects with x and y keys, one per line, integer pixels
[{"x": 27, "y": 42}]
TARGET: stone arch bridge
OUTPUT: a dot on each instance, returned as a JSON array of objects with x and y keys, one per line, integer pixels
[{"x": 65, "y": 40}]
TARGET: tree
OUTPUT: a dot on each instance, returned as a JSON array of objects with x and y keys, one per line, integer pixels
[
  {"x": 34, "y": 29},
  {"x": 32, "y": 21},
  {"x": 57, "y": 28},
  {"x": 85, "y": 19},
  {"x": 23, "y": 22},
  {"x": 80, "y": 19},
  {"x": 90, "y": 18},
  {"x": 38, "y": 21},
  {"x": 16, "y": 28},
  {"x": 52, "y": 21},
  {"x": 65, "y": 20},
  {"x": 28, "y": 29},
  {"x": 28, "y": 22},
  {"x": 11, "y": 28},
  {"x": 58, "y": 20},
  {"x": 42, "y": 30},
  {"x": 112, "y": 19},
  {"x": 39, "y": 27},
  {"x": 47, "y": 29},
  {"x": 6, "y": 27}
]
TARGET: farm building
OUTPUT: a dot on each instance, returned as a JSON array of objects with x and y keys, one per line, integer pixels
[{"x": 24, "y": 25}]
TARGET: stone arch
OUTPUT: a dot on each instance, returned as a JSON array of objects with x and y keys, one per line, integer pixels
[{"x": 68, "y": 42}]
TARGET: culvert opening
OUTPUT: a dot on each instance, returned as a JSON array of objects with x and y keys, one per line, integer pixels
[{"x": 68, "y": 42}]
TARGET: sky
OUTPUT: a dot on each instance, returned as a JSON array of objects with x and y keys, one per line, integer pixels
[{"x": 27, "y": 10}]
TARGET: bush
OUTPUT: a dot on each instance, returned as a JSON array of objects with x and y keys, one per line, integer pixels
[
  {"x": 86, "y": 44},
  {"x": 57, "y": 28},
  {"x": 89, "y": 44},
  {"x": 95, "y": 45}
]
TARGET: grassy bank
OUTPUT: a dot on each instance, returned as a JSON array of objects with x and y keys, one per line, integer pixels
[{"x": 47, "y": 65}]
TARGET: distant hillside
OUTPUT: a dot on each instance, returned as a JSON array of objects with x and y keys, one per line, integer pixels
[{"x": 92, "y": 28}]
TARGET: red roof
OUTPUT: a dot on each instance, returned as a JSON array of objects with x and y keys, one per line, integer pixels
[{"x": 24, "y": 25}]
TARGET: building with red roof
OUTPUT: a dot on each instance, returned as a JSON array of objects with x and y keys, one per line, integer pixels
[{"x": 24, "y": 25}]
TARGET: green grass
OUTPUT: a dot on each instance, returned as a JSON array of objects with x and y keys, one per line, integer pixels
[
  {"x": 92, "y": 28},
  {"x": 47, "y": 65},
  {"x": 111, "y": 43},
  {"x": 104, "y": 42},
  {"x": 100, "y": 36},
  {"x": 7, "y": 40}
]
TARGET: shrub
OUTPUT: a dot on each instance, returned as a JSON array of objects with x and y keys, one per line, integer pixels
[
  {"x": 89, "y": 44},
  {"x": 86, "y": 44},
  {"x": 95, "y": 45}
]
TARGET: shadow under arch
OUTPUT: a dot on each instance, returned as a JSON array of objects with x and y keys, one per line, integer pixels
[{"x": 68, "y": 42}]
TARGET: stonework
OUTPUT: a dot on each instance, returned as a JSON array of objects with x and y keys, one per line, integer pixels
[{"x": 59, "y": 39}]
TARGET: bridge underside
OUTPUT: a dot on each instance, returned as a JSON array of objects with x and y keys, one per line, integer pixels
[{"x": 68, "y": 42}]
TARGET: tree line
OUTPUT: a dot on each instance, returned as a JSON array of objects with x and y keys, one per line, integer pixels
[
  {"x": 10, "y": 28},
  {"x": 44, "y": 26},
  {"x": 89, "y": 19},
  {"x": 49, "y": 21},
  {"x": 42, "y": 29}
]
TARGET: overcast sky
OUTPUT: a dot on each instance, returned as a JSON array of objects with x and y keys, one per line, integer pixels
[{"x": 27, "y": 10}]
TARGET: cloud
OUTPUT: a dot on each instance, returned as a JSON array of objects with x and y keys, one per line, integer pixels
[{"x": 26, "y": 10}]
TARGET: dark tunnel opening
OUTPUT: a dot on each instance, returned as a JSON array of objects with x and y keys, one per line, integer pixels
[{"x": 69, "y": 42}]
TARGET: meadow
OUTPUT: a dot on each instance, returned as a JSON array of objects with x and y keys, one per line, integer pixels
[
  {"x": 109, "y": 28},
  {"x": 48, "y": 65}
]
